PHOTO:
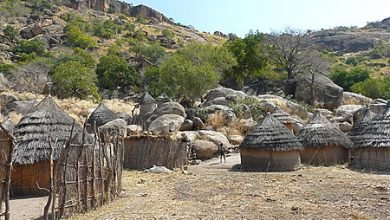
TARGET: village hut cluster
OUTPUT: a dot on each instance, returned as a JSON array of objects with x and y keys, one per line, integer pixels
[
  {"x": 48, "y": 127},
  {"x": 271, "y": 147}
]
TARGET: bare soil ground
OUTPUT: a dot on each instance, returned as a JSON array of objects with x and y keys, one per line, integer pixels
[{"x": 213, "y": 191}]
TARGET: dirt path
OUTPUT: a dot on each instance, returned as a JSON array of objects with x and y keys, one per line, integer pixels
[
  {"x": 27, "y": 208},
  {"x": 211, "y": 191}
]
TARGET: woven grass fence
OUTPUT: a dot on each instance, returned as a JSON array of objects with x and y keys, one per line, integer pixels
[
  {"x": 86, "y": 177},
  {"x": 6, "y": 145},
  {"x": 144, "y": 151}
]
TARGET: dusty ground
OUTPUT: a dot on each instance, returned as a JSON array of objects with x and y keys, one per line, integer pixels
[{"x": 212, "y": 191}]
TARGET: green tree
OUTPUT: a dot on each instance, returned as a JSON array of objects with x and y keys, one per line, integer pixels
[
  {"x": 374, "y": 88},
  {"x": 113, "y": 71},
  {"x": 193, "y": 70},
  {"x": 347, "y": 78},
  {"x": 10, "y": 32},
  {"x": 30, "y": 46},
  {"x": 252, "y": 59},
  {"x": 72, "y": 79}
]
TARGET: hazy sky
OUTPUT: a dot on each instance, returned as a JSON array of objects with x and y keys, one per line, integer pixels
[{"x": 239, "y": 16}]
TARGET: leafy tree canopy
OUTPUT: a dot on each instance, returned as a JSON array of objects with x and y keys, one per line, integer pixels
[
  {"x": 192, "y": 70},
  {"x": 113, "y": 71},
  {"x": 73, "y": 79},
  {"x": 347, "y": 78}
]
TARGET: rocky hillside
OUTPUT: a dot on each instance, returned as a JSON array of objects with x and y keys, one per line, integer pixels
[
  {"x": 352, "y": 39},
  {"x": 100, "y": 24}
]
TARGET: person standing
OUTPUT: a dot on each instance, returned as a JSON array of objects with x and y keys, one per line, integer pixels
[{"x": 222, "y": 153}]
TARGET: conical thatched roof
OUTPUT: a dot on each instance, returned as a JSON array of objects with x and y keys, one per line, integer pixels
[
  {"x": 359, "y": 125},
  {"x": 163, "y": 98},
  {"x": 271, "y": 134},
  {"x": 376, "y": 133},
  {"x": 319, "y": 132},
  {"x": 282, "y": 116},
  {"x": 147, "y": 99},
  {"x": 101, "y": 115},
  {"x": 33, "y": 131}
]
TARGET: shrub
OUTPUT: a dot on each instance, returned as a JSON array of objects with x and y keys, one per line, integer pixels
[
  {"x": 30, "y": 46},
  {"x": 113, "y": 72},
  {"x": 6, "y": 68},
  {"x": 107, "y": 29},
  {"x": 78, "y": 55},
  {"x": 346, "y": 78},
  {"x": 78, "y": 38},
  {"x": 374, "y": 88},
  {"x": 72, "y": 79},
  {"x": 168, "y": 33},
  {"x": 152, "y": 52},
  {"x": 10, "y": 32}
]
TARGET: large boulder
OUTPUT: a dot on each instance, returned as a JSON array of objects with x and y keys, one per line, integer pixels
[
  {"x": 227, "y": 113},
  {"x": 347, "y": 111},
  {"x": 134, "y": 129},
  {"x": 216, "y": 101},
  {"x": 166, "y": 123},
  {"x": 215, "y": 137},
  {"x": 167, "y": 108},
  {"x": 326, "y": 92},
  {"x": 205, "y": 149},
  {"x": 242, "y": 111},
  {"x": 223, "y": 92},
  {"x": 187, "y": 125},
  {"x": 356, "y": 99},
  {"x": 114, "y": 127},
  {"x": 31, "y": 31},
  {"x": 235, "y": 139}
]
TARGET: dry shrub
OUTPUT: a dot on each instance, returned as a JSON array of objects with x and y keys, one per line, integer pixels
[
  {"x": 237, "y": 126},
  {"x": 76, "y": 108},
  {"x": 216, "y": 120}
]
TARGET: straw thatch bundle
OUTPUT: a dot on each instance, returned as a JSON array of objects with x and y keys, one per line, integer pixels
[
  {"x": 376, "y": 133},
  {"x": 101, "y": 116},
  {"x": 319, "y": 132},
  {"x": 272, "y": 135},
  {"x": 282, "y": 116},
  {"x": 359, "y": 125},
  {"x": 33, "y": 131}
]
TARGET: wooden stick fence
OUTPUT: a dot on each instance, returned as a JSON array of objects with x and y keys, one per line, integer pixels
[
  {"x": 86, "y": 177},
  {"x": 6, "y": 149},
  {"x": 144, "y": 151}
]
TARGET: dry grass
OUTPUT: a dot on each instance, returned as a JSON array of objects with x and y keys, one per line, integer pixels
[
  {"x": 76, "y": 108},
  {"x": 216, "y": 120},
  {"x": 213, "y": 192}
]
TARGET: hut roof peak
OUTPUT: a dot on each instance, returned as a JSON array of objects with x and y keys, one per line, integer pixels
[
  {"x": 320, "y": 132},
  {"x": 271, "y": 134},
  {"x": 282, "y": 116},
  {"x": 147, "y": 98}
]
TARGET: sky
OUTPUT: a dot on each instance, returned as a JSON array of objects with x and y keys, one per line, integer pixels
[{"x": 240, "y": 16}]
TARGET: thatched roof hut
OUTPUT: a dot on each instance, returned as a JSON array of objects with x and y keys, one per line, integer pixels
[
  {"x": 371, "y": 140},
  {"x": 31, "y": 151},
  {"x": 284, "y": 118},
  {"x": 270, "y": 147},
  {"x": 148, "y": 105},
  {"x": 163, "y": 98},
  {"x": 368, "y": 115},
  {"x": 324, "y": 143},
  {"x": 100, "y": 116},
  {"x": 147, "y": 99}
]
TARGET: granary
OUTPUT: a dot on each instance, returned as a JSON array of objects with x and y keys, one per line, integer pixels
[
  {"x": 46, "y": 123},
  {"x": 270, "y": 147},
  {"x": 323, "y": 142},
  {"x": 371, "y": 138},
  {"x": 284, "y": 118},
  {"x": 148, "y": 104},
  {"x": 163, "y": 98},
  {"x": 99, "y": 117}
]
